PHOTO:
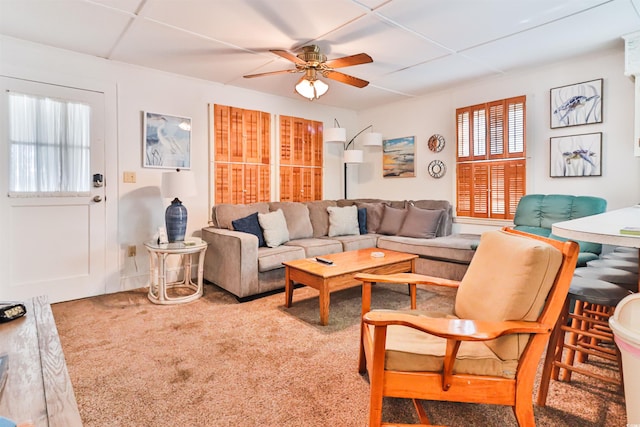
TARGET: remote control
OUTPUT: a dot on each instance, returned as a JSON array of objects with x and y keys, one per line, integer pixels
[{"x": 324, "y": 260}]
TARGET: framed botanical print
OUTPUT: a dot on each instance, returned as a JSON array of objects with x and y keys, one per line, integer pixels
[
  {"x": 576, "y": 155},
  {"x": 576, "y": 104},
  {"x": 398, "y": 157},
  {"x": 166, "y": 142}
]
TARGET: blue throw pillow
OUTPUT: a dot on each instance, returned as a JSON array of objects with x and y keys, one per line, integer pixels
[
  {"x": 362, "y": 220},
  {"x": 250, "y": 224}
]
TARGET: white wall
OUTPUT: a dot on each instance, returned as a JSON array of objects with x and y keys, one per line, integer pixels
[
  {"x": 136, "y": 210},
  {"x": 435, "y": 113}
]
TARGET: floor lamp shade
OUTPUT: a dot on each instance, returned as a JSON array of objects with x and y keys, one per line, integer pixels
[
  {"x": 353, "y": 156},
  {"x": 177, "y": 184},
  {"x": 335, "y": 135},
  {"x": 372, "y": 139}
]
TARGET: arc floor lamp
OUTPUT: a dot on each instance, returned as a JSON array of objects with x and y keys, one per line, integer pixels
[{"x": 351, "y": 155}]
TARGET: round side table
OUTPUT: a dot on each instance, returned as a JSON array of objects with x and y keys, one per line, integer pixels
[{"x": 158, "y": 282}]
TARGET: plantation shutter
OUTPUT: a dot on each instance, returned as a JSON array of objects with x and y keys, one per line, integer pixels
[{"x": 491, "y": 158}]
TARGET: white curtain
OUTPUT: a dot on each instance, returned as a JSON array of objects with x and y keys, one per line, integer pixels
[{"x": 50, "y": 146}]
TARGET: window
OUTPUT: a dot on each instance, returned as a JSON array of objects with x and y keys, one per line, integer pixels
[
  {"x": 49, "y": 146},
  {"x": 491, "y": 163}
]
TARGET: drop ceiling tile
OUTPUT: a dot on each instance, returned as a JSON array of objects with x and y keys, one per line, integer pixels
[{"x": 68, "y": 24}]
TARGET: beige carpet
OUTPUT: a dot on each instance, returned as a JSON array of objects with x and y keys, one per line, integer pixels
[{"x": 217, "y": 362}]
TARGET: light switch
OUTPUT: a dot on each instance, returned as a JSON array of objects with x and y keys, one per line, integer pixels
[{"x": 129, "y": 177}]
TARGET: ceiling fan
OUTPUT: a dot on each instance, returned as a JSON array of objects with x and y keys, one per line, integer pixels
[{"x": 313, "y": 62}]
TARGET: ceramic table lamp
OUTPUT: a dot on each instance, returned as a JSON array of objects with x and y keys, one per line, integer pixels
[{"x": 177, "y": 184}]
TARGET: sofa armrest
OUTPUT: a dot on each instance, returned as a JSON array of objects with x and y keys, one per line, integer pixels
[{"x": 231, "y": 260}]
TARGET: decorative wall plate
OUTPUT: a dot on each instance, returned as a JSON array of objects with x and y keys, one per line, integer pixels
[
  {"x": 437, "y": 168},
  {"x": 436, "y": 143}
]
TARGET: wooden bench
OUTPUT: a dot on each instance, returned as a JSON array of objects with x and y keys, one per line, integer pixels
[{"x": 38, "y": 387}]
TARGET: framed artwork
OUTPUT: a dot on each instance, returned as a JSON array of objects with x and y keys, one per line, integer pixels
[
  {"x": 398, "y": 157},
  {"x": 576, "y": 104},
  {"x": 576, "y": 155},
  {"x": 166, "y": 141}
]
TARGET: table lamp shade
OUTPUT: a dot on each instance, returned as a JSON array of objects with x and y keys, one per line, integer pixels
[{"x": 177, "y": 184}]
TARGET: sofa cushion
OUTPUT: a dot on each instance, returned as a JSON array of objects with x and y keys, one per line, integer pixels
[
  {"x": 446, "y": 223},
  {"x": 250, "y": 224},
  {"x": 421, "y": 223},
  {"x": 297, "y": 216},
  {"x": 362, "y": 220},
  {"x": 272, "y": 258},
  {"x": 274, "y": 228},
  {"x": 317, "y": 247},
  {"x": 374, "y": 215},
  {"x": 392, "y": 220},
  {"x": 225, "y": 213},
  {"x": 319, "y": 216},
  {"x": 360, "y": 241},
  {"x": 455, "y": 247},
  {"x": 343, "y": 221}
]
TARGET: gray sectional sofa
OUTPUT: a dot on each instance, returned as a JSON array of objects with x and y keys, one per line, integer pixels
[{"x": 235, "y": 262}]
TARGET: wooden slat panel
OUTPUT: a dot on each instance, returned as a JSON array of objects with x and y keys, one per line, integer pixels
[
  {"x": 237, "y": 183},
  {"x": 286, "y": 138},
  {"x": 296, "y": 184},
  {"x": 317, "y": 183},
  {"x": 265, "y": 138},
  {"x": 464, "y": 174},
  {"x": 250, "y": 124},
  {"x": 306, "y": 193},
  {"x": 222, "y": 182},
  {"x": 236, "y": 139},
  {"x": 480, "y": 187},
  {"x": 221, "y": 125},
  {"x": 299, "y": 130},
  {"x": 264, "y": 183},
  {"x": 317, "y": 148},
  {"x": 251, "y": 183},
  {"x": 286, "y": 187}
]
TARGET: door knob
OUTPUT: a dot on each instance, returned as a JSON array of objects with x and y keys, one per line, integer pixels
[{"x": 97, "y": 199}]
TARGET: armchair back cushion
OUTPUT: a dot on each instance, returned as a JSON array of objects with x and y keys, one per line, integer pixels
[{"x": 508, "y": 279}]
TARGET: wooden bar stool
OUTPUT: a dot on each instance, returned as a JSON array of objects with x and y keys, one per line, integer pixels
[{"x": 588, "y": 333}]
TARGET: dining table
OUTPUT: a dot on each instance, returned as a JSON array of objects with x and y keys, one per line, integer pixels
[{"x": 604, "y": 228}]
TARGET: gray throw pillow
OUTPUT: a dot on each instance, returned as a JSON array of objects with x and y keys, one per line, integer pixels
[
  {"x": 421, "y": 223},
  {"x": 274, "y": 228},
  {"x": 391, "y": 220},
  {"x": 374, "y": 215},
  {"x": 343, "y": 221}
]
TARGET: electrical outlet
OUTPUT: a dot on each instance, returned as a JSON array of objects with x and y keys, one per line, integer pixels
[
  {"x": 129, "y": 177},
  {"x": 131, "y": 251}
]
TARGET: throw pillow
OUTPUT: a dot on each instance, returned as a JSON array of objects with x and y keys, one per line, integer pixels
[
  {"x": 274, "y": 228},
  {"x": 374, "y": 215},
  {"x": 297, "y": 217},
  {"x": 250, "y": 224},
  {"x": 391, "y": 220},
  {"x": 421, "y": 223},
  {"x": 343, "y": 221},
  {"x": 362, "y": 220}
]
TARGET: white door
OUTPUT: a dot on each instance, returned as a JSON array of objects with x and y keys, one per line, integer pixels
[{"x": 54, "y": 240}]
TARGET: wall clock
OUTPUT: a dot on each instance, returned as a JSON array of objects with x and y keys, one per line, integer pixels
[
  {"x": 437, "y": 168},
  {"x": 436, "y": 143}
]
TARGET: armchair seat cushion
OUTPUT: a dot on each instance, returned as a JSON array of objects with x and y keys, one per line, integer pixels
[{"x": 410, "y": 350}]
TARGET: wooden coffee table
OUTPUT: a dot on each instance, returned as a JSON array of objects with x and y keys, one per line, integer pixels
[{"x": 329, "y": 278}]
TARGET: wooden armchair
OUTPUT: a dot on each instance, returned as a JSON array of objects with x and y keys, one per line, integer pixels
[{"x": 488, "y": 350}]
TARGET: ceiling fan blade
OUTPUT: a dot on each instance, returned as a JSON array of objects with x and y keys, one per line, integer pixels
[
  {"x": 347, "y": 61},
  {"x": 345, "y": 78},
  {"x": 290, "y": 56},
  {"x": 270, "y": 73}
]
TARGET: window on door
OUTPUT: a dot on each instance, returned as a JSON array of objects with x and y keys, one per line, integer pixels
[
  {"x": 49, "y": 146},
  {"x": 491, "y": 158}
]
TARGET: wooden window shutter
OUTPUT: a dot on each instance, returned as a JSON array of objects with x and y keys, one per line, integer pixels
[
  {"x": 497, "y": 172},
  {"x": 221, "y": 119},
  {"x": 463, "y": 134},
  {"x": 496, "y": 129},
  {"x": 464, "y": 179},
  {"x": 479, "y": 133},
  {"x": 516, "y": 129},
  {"x": 516, "y": 184},
  {"x": 479, "y": 191}
]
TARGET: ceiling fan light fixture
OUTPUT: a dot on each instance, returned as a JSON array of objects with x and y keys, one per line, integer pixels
[{"x": 311, "y": 89}]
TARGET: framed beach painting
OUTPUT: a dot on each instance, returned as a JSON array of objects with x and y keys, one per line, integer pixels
[
  {"x": 576, "y": 155},
  {"x": 576, "y": 104},
  {"x": 398, "y": 157},
  {"x": 166, "y": 142}
]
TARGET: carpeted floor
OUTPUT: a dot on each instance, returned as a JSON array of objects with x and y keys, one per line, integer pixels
[{"x": 217, "y": 362}]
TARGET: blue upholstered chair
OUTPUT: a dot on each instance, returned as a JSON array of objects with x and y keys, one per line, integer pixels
[{"x": 537, "y": 212}]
